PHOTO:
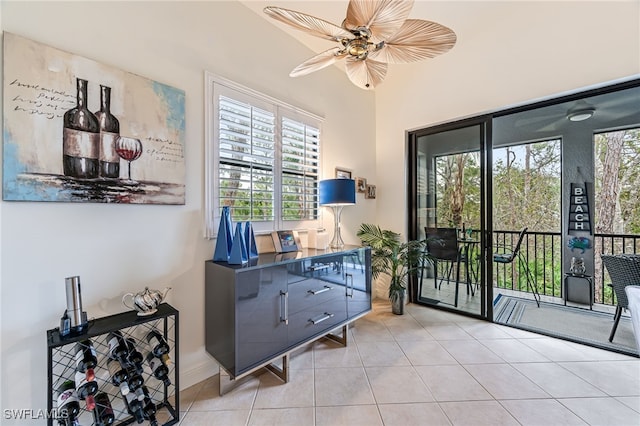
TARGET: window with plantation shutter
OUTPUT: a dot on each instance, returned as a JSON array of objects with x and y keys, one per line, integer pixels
[
  {"x": 300, "y": 170},
  {"x": 246, "y": 146},
  {"x": 263, "y": 160}
]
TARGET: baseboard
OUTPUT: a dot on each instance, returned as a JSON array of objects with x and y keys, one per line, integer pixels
[{"x": 197, "y": 373}]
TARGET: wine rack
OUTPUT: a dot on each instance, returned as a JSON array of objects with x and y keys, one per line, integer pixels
[{"x": 61, "y": 364}]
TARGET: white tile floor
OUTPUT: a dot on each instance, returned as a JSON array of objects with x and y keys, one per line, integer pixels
[{"x": 430, "y": 367}]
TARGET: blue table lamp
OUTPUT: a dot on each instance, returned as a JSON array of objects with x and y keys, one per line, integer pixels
[{"x": 337, "y": 193}]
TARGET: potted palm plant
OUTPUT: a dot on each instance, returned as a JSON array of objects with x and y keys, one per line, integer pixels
[{"x": 394, "y": 258}]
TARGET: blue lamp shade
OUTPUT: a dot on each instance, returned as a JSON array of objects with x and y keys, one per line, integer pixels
[{"x": 336, "y": 192}]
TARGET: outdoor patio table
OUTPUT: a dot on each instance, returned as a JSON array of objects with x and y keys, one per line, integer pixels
[{"x": 466, "y": 250}]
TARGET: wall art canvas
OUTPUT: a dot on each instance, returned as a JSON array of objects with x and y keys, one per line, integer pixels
[{"x": 76, "y": 130}]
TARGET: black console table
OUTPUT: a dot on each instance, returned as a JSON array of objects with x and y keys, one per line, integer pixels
[
  {"x": 262, "y": 311},
  {"x": 61, "y": 363}
]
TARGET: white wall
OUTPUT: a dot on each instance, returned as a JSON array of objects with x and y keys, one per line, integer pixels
[
  {"x": 507, "y": 53},
  {"x": 120, "y": 248}
]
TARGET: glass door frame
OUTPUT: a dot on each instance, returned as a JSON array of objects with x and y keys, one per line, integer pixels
[{"x": 484, "y": 123}]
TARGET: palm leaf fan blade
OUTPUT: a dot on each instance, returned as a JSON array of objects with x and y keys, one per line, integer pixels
[
  {"x": 318, "y": 62},
  {"x": 301, "y": 21},
  {"x": 382, "y": 17},
  {"x": 417, "y": 40},
  {"x": 366, "y": 74}
]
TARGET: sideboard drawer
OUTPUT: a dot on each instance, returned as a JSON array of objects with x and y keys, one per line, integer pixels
[
  {"x": 317, "y": 319},
  {"x": 312, "y": 292}
]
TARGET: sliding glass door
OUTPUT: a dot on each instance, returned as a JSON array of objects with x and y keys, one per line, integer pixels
[
  {"x": 519, "y": 205},
  {"x": 448, "y": 191}
]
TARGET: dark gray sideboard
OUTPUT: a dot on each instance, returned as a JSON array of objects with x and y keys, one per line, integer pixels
[{"x": 262, "y": 311}]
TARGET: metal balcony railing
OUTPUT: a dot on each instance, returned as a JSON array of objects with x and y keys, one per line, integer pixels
[
  {"x": 542, "y": 253},
  {"x": 610, "y": 244}
]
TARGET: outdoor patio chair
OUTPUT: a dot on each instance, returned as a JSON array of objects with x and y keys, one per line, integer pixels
[
  {"x": 507, "y": 254},
  {"x": 442, "y": 245},
  {"x": 624, "y": 270},
  {"x": 633, "y": 296}
]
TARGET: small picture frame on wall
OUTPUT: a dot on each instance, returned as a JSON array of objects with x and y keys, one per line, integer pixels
[
  {"x": 371, "y": 191},
  {"x": 361, "y": 184},
  {"x": 343, "y": 173}
]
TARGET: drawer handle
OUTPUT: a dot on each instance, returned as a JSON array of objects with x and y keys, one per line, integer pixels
[
  {"x": 348, "y": 277},
  {"x": 319, "y": 266},
  {"x": 324, "y": 317},
  {"x": 322, "y": 290},
  {"x": 284, "y": 307}
]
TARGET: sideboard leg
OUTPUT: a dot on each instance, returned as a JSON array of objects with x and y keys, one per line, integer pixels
[
  {"x": 342, "y": 340},
  {"x": 281, "y": 373},
  {"x": 227, "y": 384}
]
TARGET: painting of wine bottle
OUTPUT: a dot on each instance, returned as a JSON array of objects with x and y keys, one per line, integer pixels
[
  {"x": 108, "y": 158},
  {"x": 77, "y": 130},
  {"x": 80, "y": 138}
]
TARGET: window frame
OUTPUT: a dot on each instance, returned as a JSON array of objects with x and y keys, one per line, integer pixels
[{"x": 216, "y": 85}]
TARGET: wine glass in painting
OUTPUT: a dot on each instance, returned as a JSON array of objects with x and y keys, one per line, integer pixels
[{"x": 129, "y": 149}]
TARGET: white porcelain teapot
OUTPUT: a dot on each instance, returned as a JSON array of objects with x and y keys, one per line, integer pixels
[{"x": 145, "y": 302}]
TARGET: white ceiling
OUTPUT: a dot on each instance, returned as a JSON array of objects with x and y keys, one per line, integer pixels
[{"x": 470, "y": 20}]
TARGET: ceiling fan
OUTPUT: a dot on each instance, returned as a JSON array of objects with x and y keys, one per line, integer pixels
[{"x": 374, "y": 33}]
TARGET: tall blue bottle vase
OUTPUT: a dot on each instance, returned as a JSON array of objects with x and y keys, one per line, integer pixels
[
  {"x": 225, "y": 237},
  {"x": 238, "y": 255},
  {"x": 250, "y": 241}
]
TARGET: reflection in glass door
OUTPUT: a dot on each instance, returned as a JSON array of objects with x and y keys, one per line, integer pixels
[{"x": 449, "y": 196}]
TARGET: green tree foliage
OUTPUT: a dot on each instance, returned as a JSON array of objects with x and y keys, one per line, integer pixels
[
  {"x": 527, "y": 193},
  {"x": 527, "y": 187},
  {"x": 526, "y": 184},
  {"x": 458, "y": 190},
  {"x": 617, "y": 182}
]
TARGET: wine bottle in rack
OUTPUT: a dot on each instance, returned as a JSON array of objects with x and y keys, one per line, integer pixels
[
  {"x": 86, "y": 389},
  {"x": 158, "y": 368},
  {"x": 135, "y": 357},
  {"x": 134, "y": 407},
  {"x": 80, "y": 138},
  {"x": 157, "y": 343},
  {"x": 119, "y": 375},
  {"x": 109, "y": 134},
  {"x": 67, "y": 404},
  {"x": 149, "y": 407},
  {"x": 118, "y": 348},
  {"x": 103, "y": 413},
  {"x": 135, "y": 382},
  {"x": 86, "y": 359}
]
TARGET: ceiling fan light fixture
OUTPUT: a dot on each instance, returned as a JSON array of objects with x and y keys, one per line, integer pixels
[
  {"x": 358, "y": 48},
  {"x": 373, "y": 34},
  {"x": 581, "y": 114}
]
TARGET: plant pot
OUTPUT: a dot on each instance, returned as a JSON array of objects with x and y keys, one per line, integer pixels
[{"x": 398, "y": 302}]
